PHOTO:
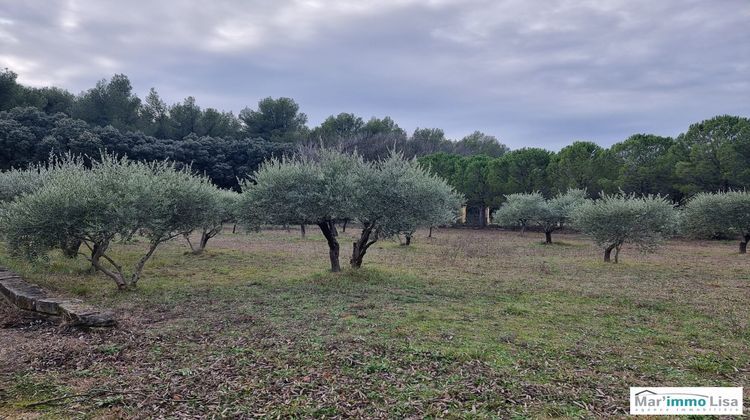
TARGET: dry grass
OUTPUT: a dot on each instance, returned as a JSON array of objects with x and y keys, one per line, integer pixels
[{"x": 467, "y": 324}]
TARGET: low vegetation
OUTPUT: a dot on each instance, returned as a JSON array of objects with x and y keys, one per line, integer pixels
[{"x": 470, "y": 323}]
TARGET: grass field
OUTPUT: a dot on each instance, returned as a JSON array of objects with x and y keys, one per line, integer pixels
[{"x": 466, "y": 324}]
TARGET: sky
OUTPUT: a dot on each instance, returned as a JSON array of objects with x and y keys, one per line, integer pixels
[{"x": 538, "y": 73}]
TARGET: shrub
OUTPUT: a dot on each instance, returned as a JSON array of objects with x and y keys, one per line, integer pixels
[{"x": 614, "y": 220}]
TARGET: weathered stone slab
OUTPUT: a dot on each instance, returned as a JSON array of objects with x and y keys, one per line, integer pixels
[
  {"x": 78, "y": 313},
  {"x": 33, "y": 298}
]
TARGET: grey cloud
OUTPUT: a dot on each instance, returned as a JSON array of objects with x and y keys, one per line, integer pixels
[{"x": 532, "y": 73}]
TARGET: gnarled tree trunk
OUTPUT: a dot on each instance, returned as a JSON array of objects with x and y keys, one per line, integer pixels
[
  {"x": 302, "y": 231},
  {"x": 329, "y": 232},
  {"x": 360, "y": 247},
  {"x": 608, "y": 253},
  {"x": 548, "y": 237},
  {"x": 743, "y": 244},
  {"x": 430, "y": 235}
]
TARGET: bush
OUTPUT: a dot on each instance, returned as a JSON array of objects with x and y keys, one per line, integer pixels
[
  {"x": 114, "y": 200},
  {"x": 614, "y": 220}
]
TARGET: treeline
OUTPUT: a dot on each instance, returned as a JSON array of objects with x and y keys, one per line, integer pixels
[
  {"x": 112, "y": 103},
  {"x": 713, "y": 155}
]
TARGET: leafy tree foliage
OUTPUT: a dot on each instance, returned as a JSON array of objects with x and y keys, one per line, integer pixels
[
  {"x": 583, "y": 165},
  {"x": 335, "y": 129},
  {"x": 16, "y": 182},
  {"x": 719, "y": 214},
  {"x": 396, "y": 195},
  {"x": 478, "y": 143},
  {"x": 221, "y": 208},
  {"x": 714, "y": 155},
  {"x": 518, "y": 171},
  {"x": 614, "y": 220},
  {"x": 387, "y": 197},
  {"x": 315, "y": 189},
  {"x": 28, "y": 135},
  {"x": 646, "y": 165},
  {"x": 275, "y": 120},
  {"x": 113, "y": 200},
  {"x": 109, "y": 103},
  {"x": 523, "y": 209}
]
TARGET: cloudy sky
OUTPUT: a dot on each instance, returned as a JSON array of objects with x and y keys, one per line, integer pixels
[{"x": 536, "y": 73}]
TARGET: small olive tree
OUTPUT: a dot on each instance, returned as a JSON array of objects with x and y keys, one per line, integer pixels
[
  {"x": 396, "y": 195},
  {"x": 519, "y": 209},
  {"x": 531, "y": 208},
  {"x": 114, "y": 200},
  {"x": 314, "y": 188},
  {"x": 554, "y": 213},
  {"x": 614, "y": 220},
  {"x": 724, "y": 213},
  {"x": 220, "y": 210}
]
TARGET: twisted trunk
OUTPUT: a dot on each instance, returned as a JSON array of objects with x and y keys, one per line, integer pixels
[
  {"x": 430, "y": 235},
  {"x": 362, "y": 244},
  {"x": 328, "y": 230},
  {"x": 302, "y": 231},
  {"x": 142, "y": 262},
  {"x": 548, "y": 237},
  {"x": 608, "y": 253},
  {"x": 743, "y": 244}
]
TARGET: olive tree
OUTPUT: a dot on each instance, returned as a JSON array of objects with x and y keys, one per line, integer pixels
[
  {"x": 519, "y": 209},
  {"x": 17, "y": 182},
  {"x": 554, "y": 213},
  {"x": 614, "y": 220},
  {"x": 220, "y": 209},
  {"x": 550, "y": 215},
  {"x": 113, "y": 200},
  {"x": 314, "y": 188},
  {"x": 723, "y": 213},
  {"x": 327, "y": 187},
  {"x": 396, "y": 195}
]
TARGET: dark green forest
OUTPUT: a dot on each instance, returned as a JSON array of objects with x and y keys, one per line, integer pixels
[{"x": 710, "y": 155}]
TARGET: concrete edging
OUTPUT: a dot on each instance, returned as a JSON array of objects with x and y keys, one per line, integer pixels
[{"x": 32, "y": 298}]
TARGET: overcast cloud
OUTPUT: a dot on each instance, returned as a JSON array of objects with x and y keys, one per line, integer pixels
[{"x": 533, "y": 73}]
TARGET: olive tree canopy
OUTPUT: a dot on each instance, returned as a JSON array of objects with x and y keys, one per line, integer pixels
[
  {"x": 113, "y": 200},
  {"x": 614, "y": 220},
  {"x": 315, "y": 188},
  {"x": 397, "y": 195},
  {"x": 386, "y": 197},
  {"x": 723, "y": 213}
]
